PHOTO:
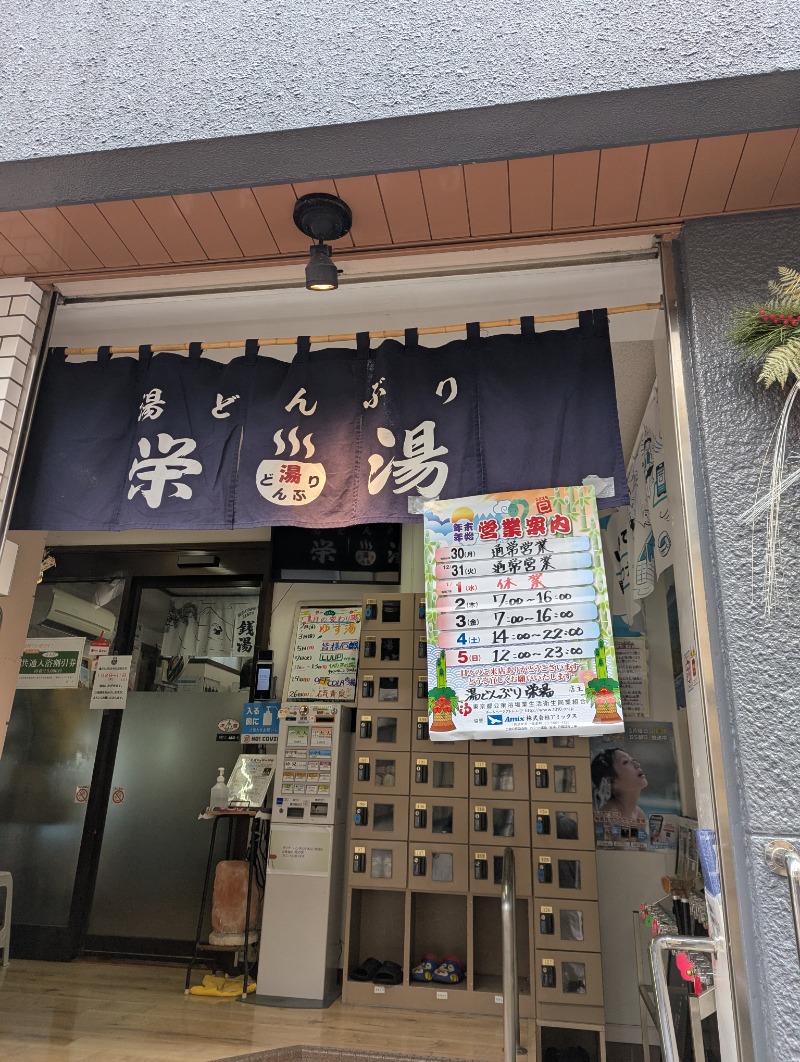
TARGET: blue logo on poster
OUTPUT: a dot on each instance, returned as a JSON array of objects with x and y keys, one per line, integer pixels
[{"x": 494, "y": 720}]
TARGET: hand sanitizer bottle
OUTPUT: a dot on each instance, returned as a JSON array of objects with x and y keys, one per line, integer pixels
[{"x": 219, "y": 794}]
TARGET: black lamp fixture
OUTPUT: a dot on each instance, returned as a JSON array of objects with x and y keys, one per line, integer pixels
[{"x": 322, "y": 217}]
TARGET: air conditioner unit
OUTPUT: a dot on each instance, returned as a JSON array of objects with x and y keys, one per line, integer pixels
[{"x": 56, "y": 608}]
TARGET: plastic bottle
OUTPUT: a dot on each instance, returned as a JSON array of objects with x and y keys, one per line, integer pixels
[{"x": 219, "y": 794}]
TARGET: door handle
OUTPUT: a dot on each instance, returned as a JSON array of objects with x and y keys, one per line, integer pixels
[
  {"x": 783, "y": 858},
  {"x": 657, "y": 948}
]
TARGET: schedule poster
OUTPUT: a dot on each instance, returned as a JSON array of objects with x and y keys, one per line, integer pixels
[
  {"x": 518, "y": 621},
  {"x": 325, "y": 654}
]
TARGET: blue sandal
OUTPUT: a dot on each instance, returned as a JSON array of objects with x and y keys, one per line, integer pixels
[
  {"x": 450, "y": 971},
  {"x": 423, "y": 971}
]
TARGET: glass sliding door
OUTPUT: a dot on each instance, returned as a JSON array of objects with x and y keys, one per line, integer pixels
[
  {"x": 47, "y": 765},
  {"x": 192, "y": 655}
]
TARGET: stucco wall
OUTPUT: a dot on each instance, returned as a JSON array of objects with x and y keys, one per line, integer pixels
[
  {"x": 726, "y": 263},
  {"x": 115, "y": 74}
]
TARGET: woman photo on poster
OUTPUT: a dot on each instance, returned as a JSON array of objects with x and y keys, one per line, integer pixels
[
  {"x": 618, "y": 780},
  {"x": 636, "y": 792}
]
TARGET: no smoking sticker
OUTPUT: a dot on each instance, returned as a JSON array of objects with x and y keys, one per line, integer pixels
[
  {"x": 118, "y": 795},
  {"x": 81, "y": 794}
]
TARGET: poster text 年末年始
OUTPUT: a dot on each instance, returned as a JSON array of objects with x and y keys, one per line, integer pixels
[{"x": 518, "y": 623}]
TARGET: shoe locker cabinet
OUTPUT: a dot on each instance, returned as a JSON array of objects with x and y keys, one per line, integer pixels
[{"x": 428, "y": 826}]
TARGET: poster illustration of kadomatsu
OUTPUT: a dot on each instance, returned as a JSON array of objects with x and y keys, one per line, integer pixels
[{"x": 518, "y": 622}]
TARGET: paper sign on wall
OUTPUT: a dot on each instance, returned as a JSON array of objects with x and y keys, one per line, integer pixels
[
  {"x": 632, "y": 665},
  {"x": 304, "y": 850},
  {"x": 51, "y": 663},
  {"x": 518, "y": 623},
  {"x": 325, "y": 655},
  {"x": 110, "y": 689}
]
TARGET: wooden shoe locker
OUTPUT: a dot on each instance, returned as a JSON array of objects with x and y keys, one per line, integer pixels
[{"x": 429, "y": 823}]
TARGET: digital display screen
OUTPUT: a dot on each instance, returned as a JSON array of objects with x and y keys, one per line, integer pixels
[{"x": 263, "y": 678}]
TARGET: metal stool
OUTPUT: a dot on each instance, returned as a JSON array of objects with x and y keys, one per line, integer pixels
[{"x": 6, "y": 882}]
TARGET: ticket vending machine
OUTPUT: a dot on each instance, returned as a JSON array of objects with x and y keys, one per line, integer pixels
[{"x": 301, "y": 925}]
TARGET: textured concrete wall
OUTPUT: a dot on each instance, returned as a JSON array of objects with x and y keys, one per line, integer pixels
[
  {"x": 726, "y": 264},
  {"x": 119, "y": 73},
  {"x": 246, "y": 84}
]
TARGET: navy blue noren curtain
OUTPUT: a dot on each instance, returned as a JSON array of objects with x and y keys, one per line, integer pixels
[{"x": 334, "y": 438}]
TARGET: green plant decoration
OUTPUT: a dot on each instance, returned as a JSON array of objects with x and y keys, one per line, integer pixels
[{"x": 768, "y": 334}]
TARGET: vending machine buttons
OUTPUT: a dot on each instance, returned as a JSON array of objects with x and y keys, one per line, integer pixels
[
  {"x": 420, "y": 864},
  {"x": 544, "y": 871},
  {"x": 361, "y": 817},
  {"x": 480, "y": 821},
  {"x": 359, "y": 860},
  {"x": 541, "y": 776},
  {"x": 546, "y": 921},
  {"x": 548, "y": 973},
  {"x": 422, "y": 728},
  {"x": 480, "y": 867},
  {"x": 420, "y": 816},
  {"x": 479, "y": 774},
  {"x": 543, "y": 821},
  {"x": 365, "y": 726},
  {"x": 363, "y": 768},
  {"x": 421, "y": 772}
]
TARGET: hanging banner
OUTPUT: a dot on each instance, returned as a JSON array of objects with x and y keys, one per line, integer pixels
[
  {"x": 51, "y": 664},
  {"x": 325, "y": 654},
  {"x": 335, "y": 438},
  {"x": 631, "y": 656},
  {"x": 518, "y": 623}
]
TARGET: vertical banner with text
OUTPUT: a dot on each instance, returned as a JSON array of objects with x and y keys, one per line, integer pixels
[{"x": 518, "y": 622}]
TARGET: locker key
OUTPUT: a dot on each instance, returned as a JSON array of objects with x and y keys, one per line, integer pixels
[
  {"x": 543, "y": 821},
  {"x": 420, "y": 818},
  {"x": 363, "y": 772},
  {"x": 422, "y": 728},
  {"x": 421, "y": 773},
  {"x": 361, "y": 817},
  {"x": 480, "y": 869},
  {"x": 421, "y": 610},
  {"x": 541, "y": 776},
  {"x": 365, "y": 726},
  {"x": 546, "y": 924},
  {"x": 544, "y": 873},
  {"x": 548, "y": 974},
  {"x": 359, "y": 863},
  {"x": 371, "y": 610},
  {"x": 422, "y": 688},
  {"x": 368, "y": 688},
  {"x": 422, "y": 649},
  {"x": 370, "y": 648},
  {"x": 479, "y": 776},
  {"x": 420, "y": 865},
  {"x": 480, "y": 820}
]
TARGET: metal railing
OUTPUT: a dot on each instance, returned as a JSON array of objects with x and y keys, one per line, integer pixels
[
  {"x": 658, "y": 946},
  {"x": 783, "y": 858},
  {"x": 508, "y": 909}
]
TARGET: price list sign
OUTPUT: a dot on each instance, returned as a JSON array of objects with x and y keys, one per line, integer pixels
[{"x": 518, "y": 621}]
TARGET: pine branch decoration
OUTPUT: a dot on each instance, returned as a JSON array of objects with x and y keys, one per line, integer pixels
[{"x": 768, "y": 334}]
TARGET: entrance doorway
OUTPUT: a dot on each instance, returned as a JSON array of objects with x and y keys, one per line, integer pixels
[{"x": 98, "y": 809}]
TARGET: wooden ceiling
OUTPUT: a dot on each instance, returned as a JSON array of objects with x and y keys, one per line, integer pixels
[{"x": 618, "y": 188}]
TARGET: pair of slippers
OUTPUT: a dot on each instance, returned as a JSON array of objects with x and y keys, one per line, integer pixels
[
  {"x": 446, "y": 971},
  {"x": 380, "y": 973}
]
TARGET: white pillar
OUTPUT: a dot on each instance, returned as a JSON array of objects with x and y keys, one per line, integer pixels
[{"x": 23, "y": 314}]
